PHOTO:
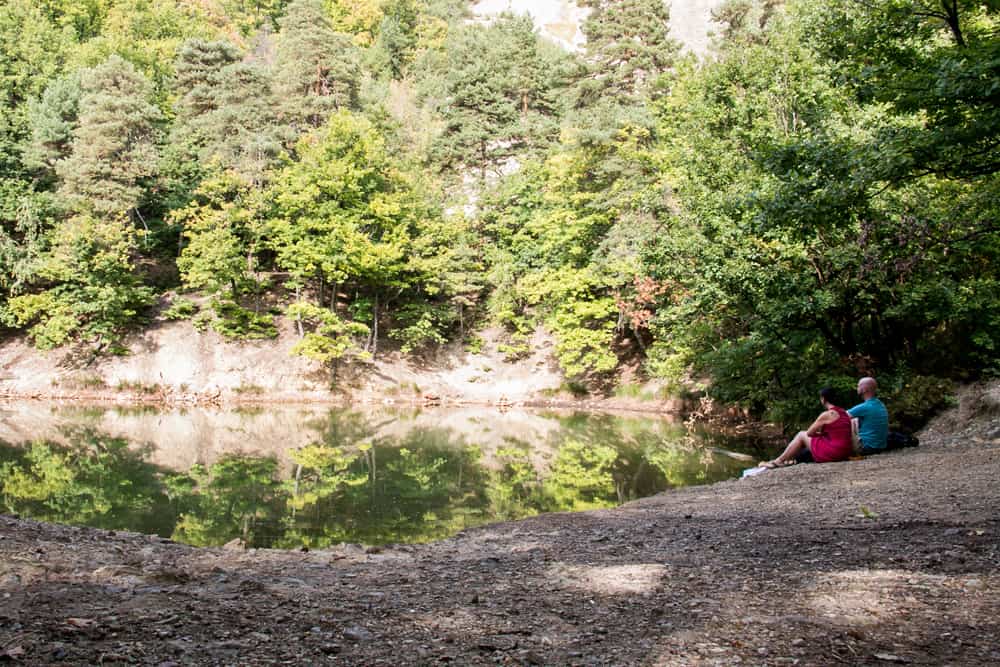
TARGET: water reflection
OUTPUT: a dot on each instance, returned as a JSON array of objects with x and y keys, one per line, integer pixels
[{"x": 288, "y": 478}]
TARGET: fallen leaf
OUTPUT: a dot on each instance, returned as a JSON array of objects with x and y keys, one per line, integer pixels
[
  {"x": 80, "y": 622},
  {"x": 867, "y": 513}
]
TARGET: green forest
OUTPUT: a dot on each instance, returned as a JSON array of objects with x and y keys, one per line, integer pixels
[{"x": 813, "y": 200}]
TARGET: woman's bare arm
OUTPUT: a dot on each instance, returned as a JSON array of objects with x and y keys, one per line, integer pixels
[{"x": 828, "y": 417}]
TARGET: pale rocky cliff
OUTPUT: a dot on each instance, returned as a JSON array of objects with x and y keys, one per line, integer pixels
[{"x": 560, "y": 20}]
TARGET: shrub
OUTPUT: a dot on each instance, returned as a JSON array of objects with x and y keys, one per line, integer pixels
[
  {"x": 916, "y": 398},
  {"x": 239, "y": 323},
  {"x": 181, "y": 309}
]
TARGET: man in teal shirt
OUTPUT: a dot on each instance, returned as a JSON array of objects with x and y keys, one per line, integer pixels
[{"x": 870, "y": 418}]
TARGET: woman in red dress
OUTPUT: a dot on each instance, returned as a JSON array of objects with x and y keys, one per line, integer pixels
[{"x": 828, "y": 439}]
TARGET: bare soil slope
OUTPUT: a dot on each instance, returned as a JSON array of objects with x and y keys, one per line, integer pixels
[
  {"x": 172, "y": 362},
  {"x": 890, "y": 560}
]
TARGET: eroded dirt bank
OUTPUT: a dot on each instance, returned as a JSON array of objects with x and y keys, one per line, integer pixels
[{"x": 890, "y": 560}]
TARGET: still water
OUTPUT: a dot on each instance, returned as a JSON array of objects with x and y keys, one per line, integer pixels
[{"x": 289, "y": 477}]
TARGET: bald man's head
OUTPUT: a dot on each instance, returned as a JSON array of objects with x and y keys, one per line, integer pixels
[{"x": 867, "y": 387}]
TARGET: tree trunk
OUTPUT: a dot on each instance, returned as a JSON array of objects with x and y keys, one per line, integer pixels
[
  {"x": 951, "y": 11},
  {"x": 375, "y": 327},
  {"x": 298, "y": 318}
]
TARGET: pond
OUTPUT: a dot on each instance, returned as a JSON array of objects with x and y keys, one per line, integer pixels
[{"x": 291, "y": 477}]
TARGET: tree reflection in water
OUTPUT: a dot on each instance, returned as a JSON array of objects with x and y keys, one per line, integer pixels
[{"x": 355, "y": 482}]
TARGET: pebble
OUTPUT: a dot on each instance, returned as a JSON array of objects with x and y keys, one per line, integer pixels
[{"x": 357, "y": 633}]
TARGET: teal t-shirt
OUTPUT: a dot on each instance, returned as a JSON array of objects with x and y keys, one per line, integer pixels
[{"x": 873, "y": 423}]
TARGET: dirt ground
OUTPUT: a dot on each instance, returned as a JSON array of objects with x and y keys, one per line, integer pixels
[{"x": 894, "y": 559}]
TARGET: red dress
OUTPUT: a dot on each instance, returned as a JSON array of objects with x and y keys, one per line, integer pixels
[{"x": 834, "y": 443}]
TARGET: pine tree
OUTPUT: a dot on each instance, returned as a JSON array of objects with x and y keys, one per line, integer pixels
[
  {"x": 243, "y": 130},
  {"x": 316, "y": 69},
  {"x": 197, "y": 74},
  {"x": 114, "y": 145},
  {"x": 397, "y": 35},
  {"x": 628, "y": 47},
  {"x": 52, "y": 119},
  {"x": 743, "y": 22},
  {"x": 499, "y": 94},
  {"x": 224, "y": 116}
]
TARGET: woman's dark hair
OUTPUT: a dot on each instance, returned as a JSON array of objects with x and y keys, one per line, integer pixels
[{"x": 829, "y": 395}]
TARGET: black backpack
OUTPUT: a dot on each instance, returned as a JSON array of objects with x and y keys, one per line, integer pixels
[{"x": 900, "y": 440}]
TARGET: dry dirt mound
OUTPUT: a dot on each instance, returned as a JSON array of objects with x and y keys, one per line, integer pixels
[{"x": 890, "y": 560}]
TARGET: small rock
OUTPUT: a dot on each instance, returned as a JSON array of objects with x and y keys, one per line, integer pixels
[
  {"x": 356, "y": 633},
  {"x": 234, "y": 545},
  {"x": 178, "y": 646}
]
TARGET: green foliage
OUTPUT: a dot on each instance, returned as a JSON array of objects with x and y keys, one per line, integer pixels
[
  {"x": 419, "y": 325},
  {"x": 203, "y": 320},
  {"x": 514, "y": 490},
  {"x": 316, "y": 68},
  {"x": 567, "y": 236},
  {"x": 146, "y": 33},
  {"x": 97, "y": 297},
  {"x": 499, "y": 95},
  {"x": 330, "y": 338},
  {"x": 912, "y": 399},
  {"x": 581, "y": 477},
  {"x": 181, "y": 309},
  {"x": 114, "y": 144},
  {"x": 138, "y": 387},
  {"x": 345, "y": 213},
  {"x": 796, "y": 241},
  {"x": 236, "y": 322},
  {"x": 52, "y": 119},
  {"x": 224, "y": 229},
  {"x": 24, "y": 243},
  {"x": 393, "y": 49},
  {"x": 340, "y": 210},
  {"x": 628, "y": 47},
  {"x": 238, "y": 496},
  {"x": 225, "y": 117},
  {"x": 813, "y": 201},
  {"x": 474, "y": 344}
]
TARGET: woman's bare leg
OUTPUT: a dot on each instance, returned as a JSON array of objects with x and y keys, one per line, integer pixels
[{"x": 798, "y": 443}]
